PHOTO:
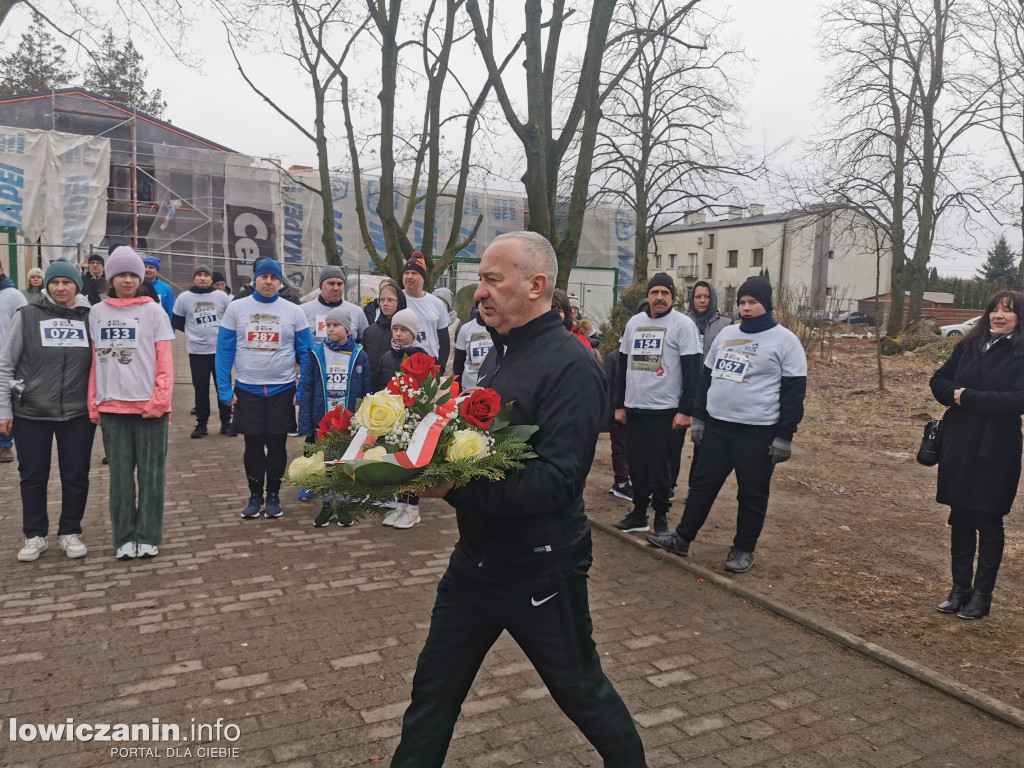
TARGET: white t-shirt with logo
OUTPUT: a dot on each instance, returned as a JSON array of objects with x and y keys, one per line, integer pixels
[
  {"x": 316, "y": 313},
  {"x": 654, "y": 375},
  {"x": 202, "y": 313},
  {"x": 433, "y": 317},
  {"x": 476, "y": 342},
  {"x": 747, "y": 371},
  {"x": 264, "y": 339},
  {"x": 125, "y": 339}
]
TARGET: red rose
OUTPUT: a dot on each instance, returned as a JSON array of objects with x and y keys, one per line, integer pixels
[
  {"x": 336, "y": 420},
  {"x": 419, "y": 366},
  {"x": 404, "y": 385},
  {"x": 480, "y": 408}
]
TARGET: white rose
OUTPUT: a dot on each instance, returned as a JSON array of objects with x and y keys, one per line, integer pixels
[
  {"x": 468, "y": 444},
  {"x": 381, "y": 412},
  {"x": 376, "y": 453},
  {"x": 305, "y": 467}
]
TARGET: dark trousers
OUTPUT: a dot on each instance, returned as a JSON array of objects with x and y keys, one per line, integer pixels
[
  {"x": 202, "y": 367},
  {"x": 985, "y": 537},
  {"x": 74, "y": 448},
  {"x": 727, "y": 446},
  {"x": 469, "y": 615},
  {"x": 265, "y": 456},
  {"x": 620, "y": 464},
  {"x": 676, "y": 456},
  {"x": 648, "y": 444}
]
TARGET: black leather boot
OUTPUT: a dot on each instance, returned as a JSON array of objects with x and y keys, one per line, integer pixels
[
  {"x": 977, "y": 607},
  {"x": 957, "y": 599}
]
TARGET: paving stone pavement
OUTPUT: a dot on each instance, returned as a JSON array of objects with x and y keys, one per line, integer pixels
[{"x": 306, "y": 640}]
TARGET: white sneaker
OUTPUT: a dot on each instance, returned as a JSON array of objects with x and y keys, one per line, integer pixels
[
  {"x": 73, "y": 546},
  {"x": 394, "y": 514},
  {"x": 147, "y": 550},
  {"x": 410, "y": 518},
  {"x": 33, "y": 548},
  {"x": 127, "y": 551}
]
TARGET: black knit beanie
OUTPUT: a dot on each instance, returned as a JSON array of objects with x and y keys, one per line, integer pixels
[
  {"x": 760, "y": 289},
  {"x": 664, "y": 281}
]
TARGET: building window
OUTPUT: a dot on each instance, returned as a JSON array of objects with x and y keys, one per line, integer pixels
[
  {"x": 692, "y": 266},
  {"x": 831, "y": 254},
  {"x": 711, "y": 241},
  {"x": 657, "y": 261},
  {"x": 711, "y": 269},
  {"x": 734, "y": 258},
  {"x": 758, "y": 257},
  {"x": 672, "y": 261}
]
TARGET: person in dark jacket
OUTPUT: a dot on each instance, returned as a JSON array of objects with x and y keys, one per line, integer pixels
[
  {"x": 982, "y": 383},
  {"x": 95, "y": 284},
  {"x": 403, "y": 345},
  {"x": 46, "y": 356},
  {"x": 377, "y": 336},
  {"x": 524, "y": 546}
]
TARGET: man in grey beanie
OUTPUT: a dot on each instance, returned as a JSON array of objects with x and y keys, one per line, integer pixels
[{"x": 332, "y": 295}]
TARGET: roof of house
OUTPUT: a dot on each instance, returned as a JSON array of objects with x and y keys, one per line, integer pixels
[
  {"x": 937, "y": 297},
  {"x": 742, "y": 221},
  {"x": 116, "y": 107}
]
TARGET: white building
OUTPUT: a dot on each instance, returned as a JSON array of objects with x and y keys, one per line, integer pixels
[{"x": 823, "y": 260}]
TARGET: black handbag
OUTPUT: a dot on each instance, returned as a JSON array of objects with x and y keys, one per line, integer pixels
[{"x": 931, "y": 444}]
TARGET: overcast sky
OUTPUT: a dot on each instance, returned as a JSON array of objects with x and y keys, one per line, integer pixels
[{"x": 217, "y": 104}]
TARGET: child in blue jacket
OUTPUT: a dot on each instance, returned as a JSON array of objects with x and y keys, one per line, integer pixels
[{"x": 336, "y": 373}]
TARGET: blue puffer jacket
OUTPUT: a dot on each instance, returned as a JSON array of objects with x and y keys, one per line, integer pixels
[{"x": 313, "y": 384}]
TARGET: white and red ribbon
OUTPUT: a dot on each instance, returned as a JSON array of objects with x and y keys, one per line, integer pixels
[{"x": 422, "y": 443}]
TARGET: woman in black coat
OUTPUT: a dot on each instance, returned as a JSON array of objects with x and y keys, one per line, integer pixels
[{"x": 982, "y": 383}]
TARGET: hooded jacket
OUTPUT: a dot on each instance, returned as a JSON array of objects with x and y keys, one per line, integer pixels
[
  {"x": 710, "y": 321},
  {"x": 534, "y": 520},
  {"x": 56, "y": 378}
]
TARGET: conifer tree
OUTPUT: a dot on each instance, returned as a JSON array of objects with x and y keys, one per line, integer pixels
[
  {"x": 38, "y": 64},
  {"x": 1001, "y": 266},
  {"x": 118, "y": 74}
]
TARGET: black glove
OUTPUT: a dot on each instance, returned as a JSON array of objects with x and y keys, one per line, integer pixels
[
  {"x": 697, "y": 432},
  {"x": 780, "y": 450}
]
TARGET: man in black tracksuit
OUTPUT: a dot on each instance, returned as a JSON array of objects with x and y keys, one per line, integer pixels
[{"x": 524, "y": 550}]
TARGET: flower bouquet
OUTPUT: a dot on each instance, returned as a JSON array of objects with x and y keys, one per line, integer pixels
[{"x": 418, "y": 433}]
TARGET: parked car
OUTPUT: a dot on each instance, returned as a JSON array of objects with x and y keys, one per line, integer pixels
[
  {"x": 855, "y": 318},
  {"x": 814, "y": 317},
  {"x": 959, "y": 329}
]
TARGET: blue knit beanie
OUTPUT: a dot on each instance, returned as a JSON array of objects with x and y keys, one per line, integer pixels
[{"x": 268, "y": 267}]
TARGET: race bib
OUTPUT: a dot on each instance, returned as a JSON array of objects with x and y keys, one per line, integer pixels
[
  {"x": 646, "y": 351},
  {"x": 263, "y": 333},
  {"x": 205, "y": 316},
  {"x": 63, "y": 333},
  {"x": 477, "y": 349},
  {"x": 337, "y": 385},
  {"x": 730, "y": 366},
  {"x": 119, "y": 334}
]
